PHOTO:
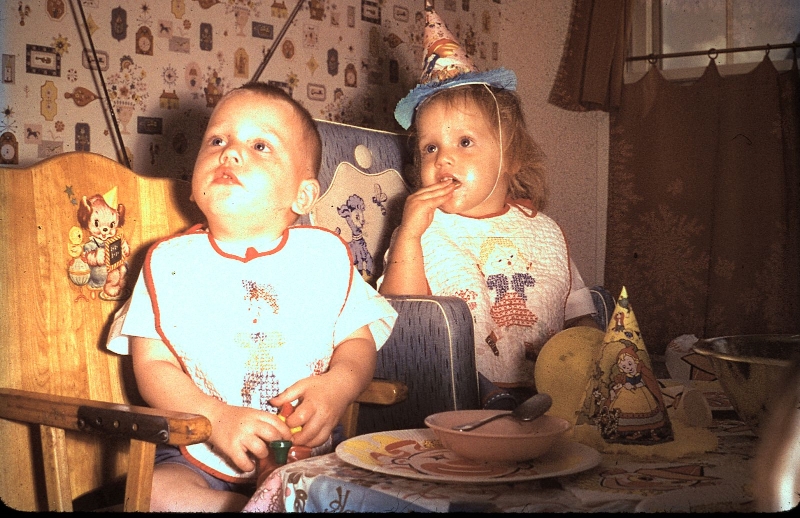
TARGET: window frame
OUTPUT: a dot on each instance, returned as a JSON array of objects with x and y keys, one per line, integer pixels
[{"x": 645, "y": 38}]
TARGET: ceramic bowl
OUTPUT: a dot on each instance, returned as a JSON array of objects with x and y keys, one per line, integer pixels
[
  {"x": 503, "y": 440},
  {"x": 751, "y": 369}
]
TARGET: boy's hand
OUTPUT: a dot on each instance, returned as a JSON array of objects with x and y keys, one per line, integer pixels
[
  {"x": 243, "y": 434},
  {"x": 324, "y": 398},
  {"x": 285, "y": 411},
  {"x": 318, "y": 412},
  {"x": 240, "y": 433}
]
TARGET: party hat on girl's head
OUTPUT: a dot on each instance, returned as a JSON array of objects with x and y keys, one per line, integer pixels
[
  {"x": 446, "y": 65},
  {"x": 623, "y": 398},
  {"x": 444, "y": 57}
]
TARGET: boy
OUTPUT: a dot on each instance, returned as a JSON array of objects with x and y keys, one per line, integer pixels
[{"x": 235, "y": 319}]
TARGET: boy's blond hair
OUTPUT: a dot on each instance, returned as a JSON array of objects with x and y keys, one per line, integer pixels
[{"x": 524, "y": 159}]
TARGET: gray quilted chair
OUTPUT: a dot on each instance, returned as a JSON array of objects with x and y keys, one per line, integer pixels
[{"x": 431, "y": 348}]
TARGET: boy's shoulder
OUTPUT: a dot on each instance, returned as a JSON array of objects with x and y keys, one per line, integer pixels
[
  {"x": 311, "y": 237},
  {"x": 180, "y": 238},
  {"x": 312, "y": 232}
]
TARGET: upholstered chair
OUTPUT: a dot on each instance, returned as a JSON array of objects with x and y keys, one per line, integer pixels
[{"x": 431, "y": 348}]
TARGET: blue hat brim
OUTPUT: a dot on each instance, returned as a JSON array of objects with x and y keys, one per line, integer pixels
[{"x": 498, "y": 78}]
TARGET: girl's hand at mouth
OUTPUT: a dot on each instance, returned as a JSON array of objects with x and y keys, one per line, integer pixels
[{"x": 420, "y": 206}]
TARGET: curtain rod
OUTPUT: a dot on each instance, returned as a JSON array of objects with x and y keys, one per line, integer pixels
[{"x": 712, "y": 52}]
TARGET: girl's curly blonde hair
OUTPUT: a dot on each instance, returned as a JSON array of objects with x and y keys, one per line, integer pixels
[{"x": 524, "y": 159}]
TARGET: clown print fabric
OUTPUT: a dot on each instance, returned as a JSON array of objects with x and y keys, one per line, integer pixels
[{"x": 520, "y": 266}]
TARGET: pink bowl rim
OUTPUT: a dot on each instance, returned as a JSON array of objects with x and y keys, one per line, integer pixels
[{"x": 564, "y": 426}]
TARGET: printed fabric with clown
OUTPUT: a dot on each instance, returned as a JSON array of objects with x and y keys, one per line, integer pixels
[{"x": 519, "y": 264}]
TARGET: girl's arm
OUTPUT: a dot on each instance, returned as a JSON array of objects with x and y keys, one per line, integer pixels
[{"x": 404, "y": 272}]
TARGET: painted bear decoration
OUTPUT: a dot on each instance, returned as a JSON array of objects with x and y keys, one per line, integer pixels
[{"x": 100, "y": 263}]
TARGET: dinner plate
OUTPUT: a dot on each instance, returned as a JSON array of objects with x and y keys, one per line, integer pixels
[{"x": 419, "y": 455}]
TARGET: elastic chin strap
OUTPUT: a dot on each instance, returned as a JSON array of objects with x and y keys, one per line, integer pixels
[{"x": 500, "y": 135}]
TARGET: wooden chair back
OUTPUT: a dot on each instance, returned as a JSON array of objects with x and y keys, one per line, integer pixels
[{"x": 56, "y": 308}]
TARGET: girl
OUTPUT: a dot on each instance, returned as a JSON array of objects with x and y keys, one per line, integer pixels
[{"x": 474, "y": 229}]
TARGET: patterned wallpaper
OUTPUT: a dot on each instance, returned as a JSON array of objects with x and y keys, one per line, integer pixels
[{"x": 166, "y": 63}]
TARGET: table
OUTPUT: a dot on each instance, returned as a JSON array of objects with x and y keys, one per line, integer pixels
[{"x": 712, "y": 481}]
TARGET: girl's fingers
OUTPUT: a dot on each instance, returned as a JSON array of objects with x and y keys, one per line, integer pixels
[
  {"x": 434, "y": 197},
  {"x": 273, "y": 430},
  {"x": 437, "y": 189},
  {"x": 243, "y": 461}
]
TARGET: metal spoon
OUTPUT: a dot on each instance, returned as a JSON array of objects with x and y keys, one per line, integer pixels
[{"x": 529, "y": 410}]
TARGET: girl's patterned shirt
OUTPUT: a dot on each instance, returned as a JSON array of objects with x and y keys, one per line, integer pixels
[{"x": 514, "y": 272}]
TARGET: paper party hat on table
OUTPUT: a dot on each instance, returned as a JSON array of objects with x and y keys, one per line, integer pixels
[
  {"x": 445, "y": 65},
  {"x": 623, "y": 398}
]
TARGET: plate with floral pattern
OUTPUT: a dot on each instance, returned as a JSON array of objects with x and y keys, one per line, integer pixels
[{"x": 418, "y": 454}]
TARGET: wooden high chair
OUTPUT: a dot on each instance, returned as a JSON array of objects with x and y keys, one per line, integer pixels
[
  {"x": 56, "y": 310},
  {"x": 71, "y": 420}
]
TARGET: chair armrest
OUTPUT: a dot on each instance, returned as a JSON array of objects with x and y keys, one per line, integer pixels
[
  {"x": 111, "y": 419},
  {"x": 604, "y": 304},
  {"x": 432, "y": 352},
  {"x": 383, "y": 392}
]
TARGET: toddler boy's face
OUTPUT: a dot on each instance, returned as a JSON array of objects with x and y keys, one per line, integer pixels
[{"x": 251, "y": 165}]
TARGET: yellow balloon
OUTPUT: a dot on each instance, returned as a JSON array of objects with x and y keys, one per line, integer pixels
[{"x": 563, "y": 368}]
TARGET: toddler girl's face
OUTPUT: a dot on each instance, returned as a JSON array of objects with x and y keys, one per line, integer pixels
[
  {"x": 251, "y": 164},
  {"x": 457, "y": 144}
]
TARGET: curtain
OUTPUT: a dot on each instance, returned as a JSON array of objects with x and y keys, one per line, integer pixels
[
  {"x": 591, "y": 70},
  {"x": 704, "y": 204}
]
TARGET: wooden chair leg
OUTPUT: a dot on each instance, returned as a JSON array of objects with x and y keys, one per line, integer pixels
[
  {"x": 56, "y": 469},
  {"x": 350, "y": 420},
  {"x": 140, "y": 476}
]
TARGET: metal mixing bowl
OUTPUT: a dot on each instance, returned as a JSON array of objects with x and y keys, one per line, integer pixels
[{"x": 752, "y": 369}]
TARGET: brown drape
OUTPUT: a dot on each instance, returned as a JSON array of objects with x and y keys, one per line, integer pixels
[
  {"x": 704, "y": 204},
  {"x": 590, "y": 74}
]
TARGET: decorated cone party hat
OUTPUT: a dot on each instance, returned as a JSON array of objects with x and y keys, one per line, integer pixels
[
  {"x": 446, "y": 65},
  {"x": 623, "y": 398}
]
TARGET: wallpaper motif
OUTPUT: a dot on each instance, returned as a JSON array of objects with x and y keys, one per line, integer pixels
[{"x": 166, "y": 63}]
